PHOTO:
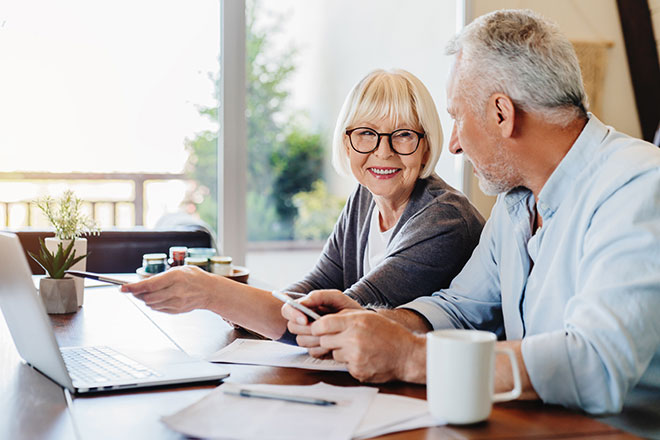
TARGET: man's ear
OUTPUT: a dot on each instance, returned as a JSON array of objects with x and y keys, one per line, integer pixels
[{"x": 503, "y": 113}]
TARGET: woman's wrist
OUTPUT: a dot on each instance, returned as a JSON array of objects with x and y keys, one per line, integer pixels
[
  {"x": 246, "y": 306},
  {"x": 219, "y": 295}
]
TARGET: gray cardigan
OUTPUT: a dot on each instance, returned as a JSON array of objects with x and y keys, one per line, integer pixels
[{"x": 430, "y": 243}]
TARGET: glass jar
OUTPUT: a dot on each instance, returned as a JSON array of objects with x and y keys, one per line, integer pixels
[
  {"x": 221, "y": 265},
  {"x": 201, "y": 252},
  {"x": 178, "y": 255},
  {"x": 154, "y": 263},
  {"x": 202, "y": 263}
]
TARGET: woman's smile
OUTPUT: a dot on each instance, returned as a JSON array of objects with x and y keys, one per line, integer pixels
[{"x": 384, "y": 172}]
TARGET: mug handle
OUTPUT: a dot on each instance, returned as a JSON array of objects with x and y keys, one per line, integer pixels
[{"x": 517, "y": 387}]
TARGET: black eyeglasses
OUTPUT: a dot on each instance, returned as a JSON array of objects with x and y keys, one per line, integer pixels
[{"x": 403, "y": 141}]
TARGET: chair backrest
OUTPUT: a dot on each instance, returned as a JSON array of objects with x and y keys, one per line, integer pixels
[{"x": 120, "y": 251}]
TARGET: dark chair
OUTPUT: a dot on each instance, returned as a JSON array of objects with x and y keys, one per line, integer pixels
[{"x": 120, "y": 251}]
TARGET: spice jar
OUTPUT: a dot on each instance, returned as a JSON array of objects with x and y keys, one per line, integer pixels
[
  {"x": 154, "y": 263},
  {"x": 201, "y": 262},
  {"x": 221, "y": 265},
  {"x": 201, "y": 252},
  {"x": 178, "y": 255}
]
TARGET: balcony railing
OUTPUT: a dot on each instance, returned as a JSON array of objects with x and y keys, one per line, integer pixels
[{"x": 137, "y": 201}]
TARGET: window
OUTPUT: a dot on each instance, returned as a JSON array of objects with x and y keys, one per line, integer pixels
[
  {"x": 107, "y": 99},
  {"x": 139, "y": 107},
  {"x": 303, "y": 58}
]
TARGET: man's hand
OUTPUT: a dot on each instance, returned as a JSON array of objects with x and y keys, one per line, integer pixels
[
  {"x": 375, "y": 348},
  {"x": 504, "y": 374},
  {"x": 178, "y": 290},
  {"x": 322, "y": 301}
]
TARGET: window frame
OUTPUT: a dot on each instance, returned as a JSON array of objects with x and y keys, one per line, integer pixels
[{"x": 232, "y": 139}]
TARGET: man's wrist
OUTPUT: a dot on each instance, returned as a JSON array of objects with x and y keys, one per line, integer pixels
[{"x": 414, "y": 361}]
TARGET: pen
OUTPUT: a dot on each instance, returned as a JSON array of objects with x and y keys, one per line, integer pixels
[
  {"x": 266, "y": 395},
  {"x": 95, "y": 276},
  {"x": 285, "y": 298}
]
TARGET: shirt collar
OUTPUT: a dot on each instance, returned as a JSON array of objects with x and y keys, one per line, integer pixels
[
  {"x": 577, "y": 159},
  {"x": 563, "y": 178}
]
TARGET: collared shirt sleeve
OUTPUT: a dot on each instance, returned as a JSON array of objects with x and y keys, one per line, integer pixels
[
  {"x": 473, "y": 299},
  {"x": 612, "y": 323}
]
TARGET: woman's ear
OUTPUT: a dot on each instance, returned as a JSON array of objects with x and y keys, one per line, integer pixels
[
  {"x": 347, "y": 144},
  {"x": 502, "y": 113}
]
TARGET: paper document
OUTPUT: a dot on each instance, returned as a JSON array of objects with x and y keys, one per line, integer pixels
[
  {"x": 392, "y": 413},
  {"x": 221, "y": 415},
  {"x": 272, "y": 353}
]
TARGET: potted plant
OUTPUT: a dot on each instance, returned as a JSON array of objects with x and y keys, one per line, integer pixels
[
  {"x": 57, "y": 291},
  {"x": 70, "y": 223}
]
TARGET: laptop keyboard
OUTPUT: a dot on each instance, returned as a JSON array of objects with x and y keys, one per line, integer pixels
[{"x": 98, "y": 365}]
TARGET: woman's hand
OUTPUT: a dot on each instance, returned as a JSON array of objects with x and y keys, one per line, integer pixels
[
  {"x": 178, "y": 290},
  {"x": 322, "y": 301}
]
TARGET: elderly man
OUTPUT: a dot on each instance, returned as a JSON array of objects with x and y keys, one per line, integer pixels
[{"x": 567, "y": 271}]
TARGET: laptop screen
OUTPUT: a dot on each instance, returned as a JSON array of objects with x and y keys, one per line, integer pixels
[{"x": 25, "y": 314}]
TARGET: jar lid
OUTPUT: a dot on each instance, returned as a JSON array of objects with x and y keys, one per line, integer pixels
[
  {"x": 197, "y": 261},
  {"x": 221, "y": 260},
  {"x": 201, "y": 252},
  {"x": 157, "y": 256}
]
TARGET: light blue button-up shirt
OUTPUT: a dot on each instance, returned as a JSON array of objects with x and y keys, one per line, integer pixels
[{"x": 583, "y": 292}]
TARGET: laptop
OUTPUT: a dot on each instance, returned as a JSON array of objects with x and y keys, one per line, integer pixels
[{"x": 82, "y": 369}]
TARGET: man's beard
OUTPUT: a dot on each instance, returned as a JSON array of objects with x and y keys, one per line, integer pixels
[{"x": 497, "y": 177}]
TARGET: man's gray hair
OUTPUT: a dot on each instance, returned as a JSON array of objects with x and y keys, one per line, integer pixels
[{"x": 526, "y": 57}]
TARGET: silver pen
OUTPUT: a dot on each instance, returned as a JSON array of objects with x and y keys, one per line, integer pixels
[
  {"x": 266, "y": 395},
  {"x": 95, "y": 276}
]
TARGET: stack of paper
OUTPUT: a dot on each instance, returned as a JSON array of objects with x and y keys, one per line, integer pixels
[
  {"x": 221, "y": 415},
  {"x": 392, "y": 413},
  {"x": 359, "y": 412},
  {"x": 272, "y": 353}
]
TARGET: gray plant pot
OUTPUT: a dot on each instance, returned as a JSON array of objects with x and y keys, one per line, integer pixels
[{"x": 59, "y": 296}]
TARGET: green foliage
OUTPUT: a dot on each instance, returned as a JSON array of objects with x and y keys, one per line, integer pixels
[
  {"x": 297, "y": 163},
  {"x": 65, "y": 215},
  {"x": 282, "y": 158},
  {"x": 266, "y": 224},
  {"x": 202, "y": 166},
  {"x": 266, "y": 71},
  {"x": 317, "y": 212},
  {"x": 56, "y": 264}
]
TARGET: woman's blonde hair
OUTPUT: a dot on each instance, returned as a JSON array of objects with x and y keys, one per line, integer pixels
[{"x": 396, "y": 95}]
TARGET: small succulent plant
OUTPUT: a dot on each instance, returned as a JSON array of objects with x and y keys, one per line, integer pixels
[
  {"x": 66, "y": 216},
  {"x": 58, "y": 263}
]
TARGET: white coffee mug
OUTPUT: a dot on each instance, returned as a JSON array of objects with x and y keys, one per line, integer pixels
[{"x": 460, "y": 366}]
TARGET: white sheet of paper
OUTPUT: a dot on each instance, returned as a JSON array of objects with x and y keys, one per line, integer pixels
[
  {"x": 272, "y": 353},
  {"x": 425, "y": 421},
  {"x": 220, "y": 415},
  {"x": 392, "y": 413}
]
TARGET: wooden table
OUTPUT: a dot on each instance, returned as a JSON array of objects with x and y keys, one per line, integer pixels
[{"x": 33, "y": 407}]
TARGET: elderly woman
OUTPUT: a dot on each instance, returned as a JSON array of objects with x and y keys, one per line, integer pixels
[{"x": 403, "y": 233}]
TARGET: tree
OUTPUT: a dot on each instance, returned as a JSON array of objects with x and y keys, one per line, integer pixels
[
  {"x": 283, "y": 159},
  {"x": 202, "y": 166}
]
